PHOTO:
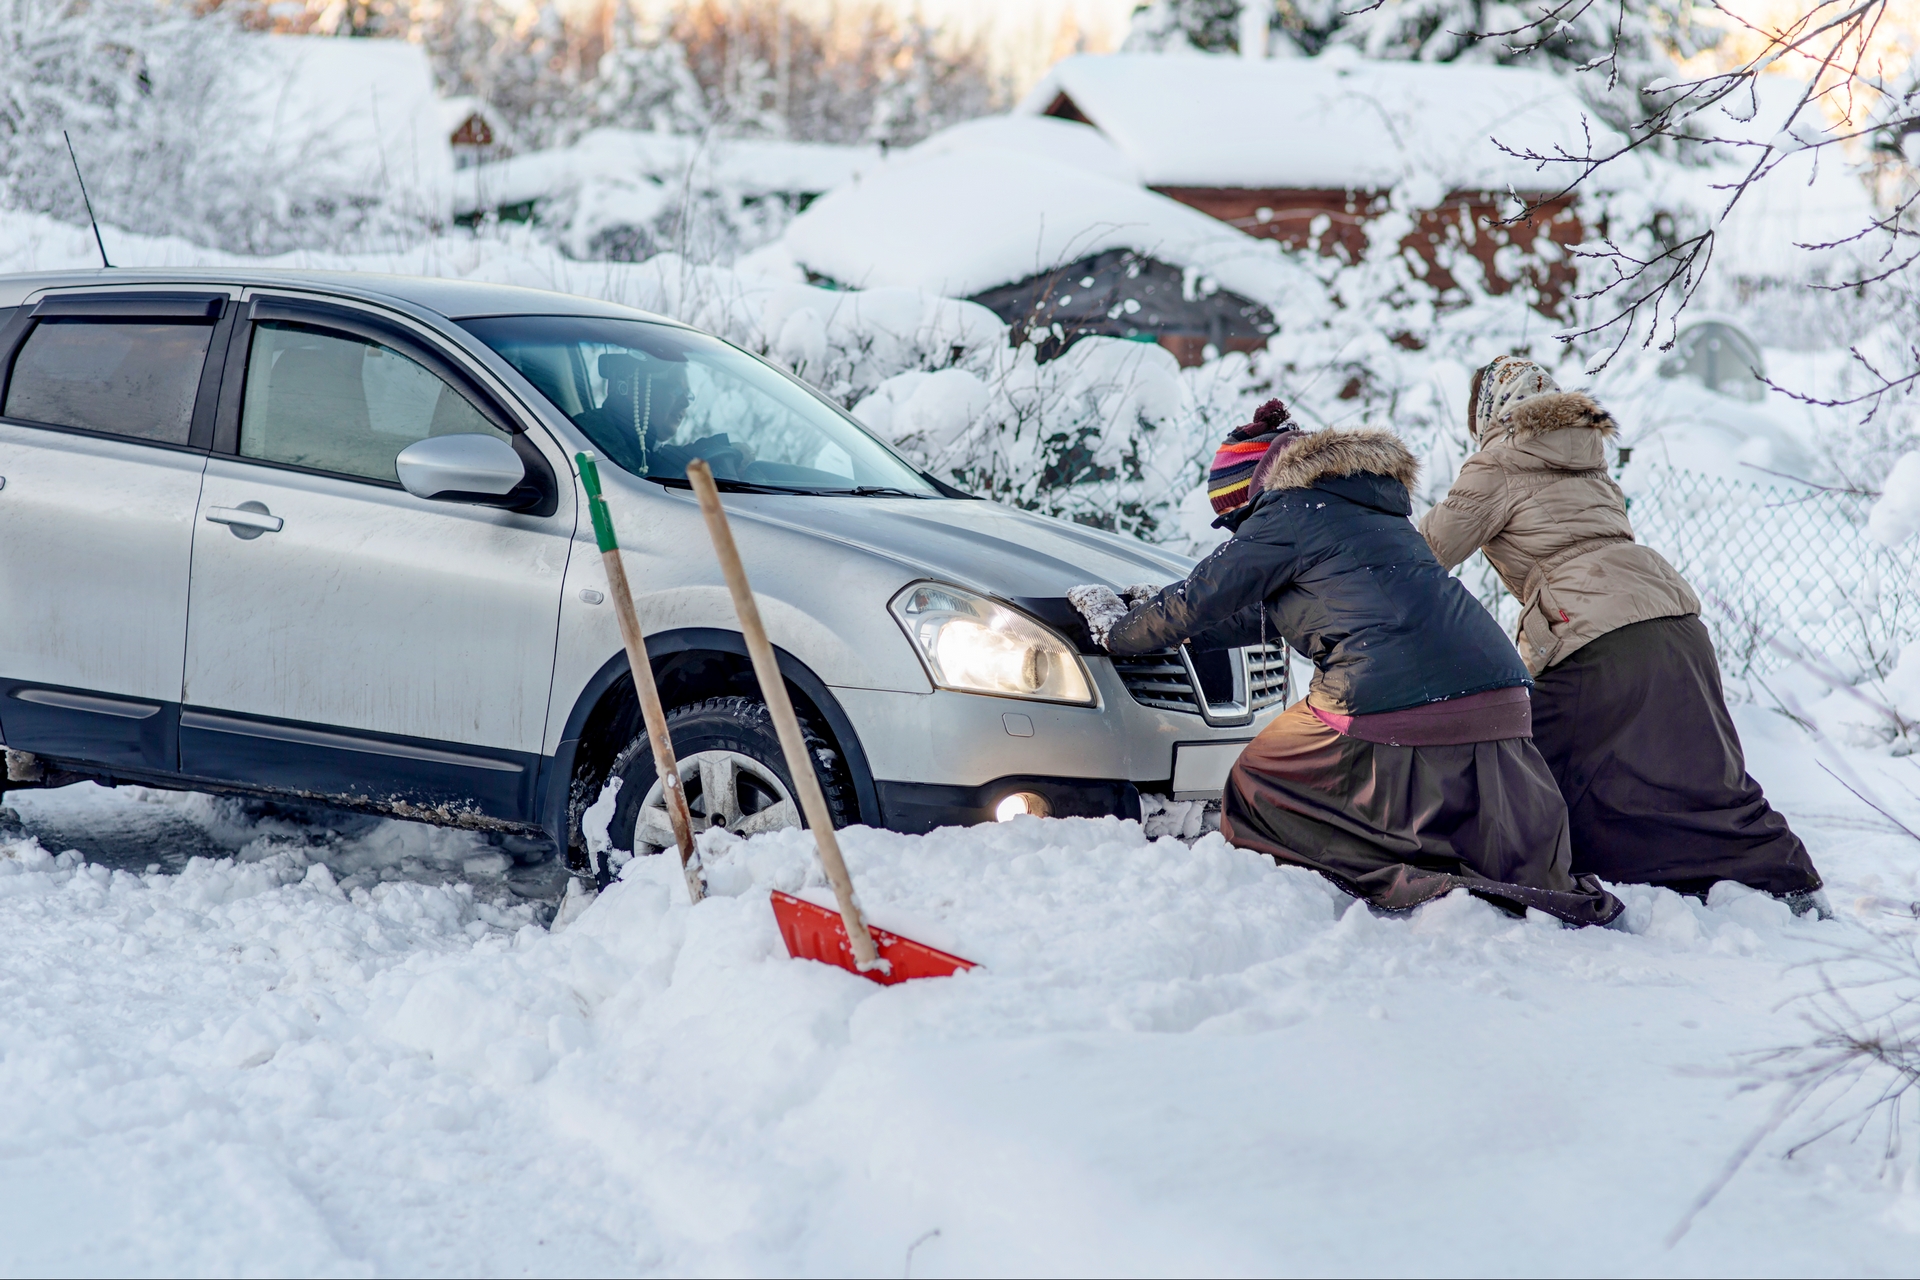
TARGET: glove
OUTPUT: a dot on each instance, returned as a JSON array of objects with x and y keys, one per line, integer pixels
[
  {"x": 1140, "y": 593},
  {"x": 1100, "y": 607}
]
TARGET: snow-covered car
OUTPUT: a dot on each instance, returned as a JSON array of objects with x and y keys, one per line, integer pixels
[{"x": 321, "y": 536}]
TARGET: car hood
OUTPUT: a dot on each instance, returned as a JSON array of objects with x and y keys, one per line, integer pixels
[{"x": 1025, "y": 559}]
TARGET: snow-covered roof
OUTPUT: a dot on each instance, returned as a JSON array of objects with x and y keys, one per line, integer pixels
[
  {"x": 957, "y": 222},
  {"x": 749, "y": 166},
  {"x": 456, "y": 111},
  {"x": 357, "y": 117},
  {"x": 1044, "y": 137},
  {"x": 1337, "y": 121}
]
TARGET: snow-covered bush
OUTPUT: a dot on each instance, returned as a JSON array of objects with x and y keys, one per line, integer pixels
[
  {"x": 627, "y": 195},
  {"x": 1099, "y": 435},
  {"x": 171, "y": 119},
  {"x": 843, "y": 73}
]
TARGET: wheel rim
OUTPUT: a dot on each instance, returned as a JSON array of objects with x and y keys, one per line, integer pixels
[{"x": 724, "y": 789}]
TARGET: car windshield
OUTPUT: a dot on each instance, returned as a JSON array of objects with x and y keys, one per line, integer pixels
[{"x": 653, "y": 397}]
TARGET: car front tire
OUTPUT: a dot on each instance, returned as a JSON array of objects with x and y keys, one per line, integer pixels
[{"x": 734, "y": 774}]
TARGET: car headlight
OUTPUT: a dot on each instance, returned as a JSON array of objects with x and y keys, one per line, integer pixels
[{"x": 977, "y": 645}]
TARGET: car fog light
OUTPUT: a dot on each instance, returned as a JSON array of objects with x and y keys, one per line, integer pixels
[{"x": 1022, "y": 804}]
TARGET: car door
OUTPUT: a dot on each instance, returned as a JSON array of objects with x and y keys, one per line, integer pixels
[
  {"x": 106, "y": 414},
  {"x": 346, "y": 638}
]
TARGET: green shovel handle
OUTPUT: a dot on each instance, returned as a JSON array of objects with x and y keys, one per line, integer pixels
[{"x": 596, "y": 505}]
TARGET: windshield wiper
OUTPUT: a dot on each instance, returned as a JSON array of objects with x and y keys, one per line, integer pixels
[
  {"x": 877, "y": 491},
  {"x": 728, "y": 486}
]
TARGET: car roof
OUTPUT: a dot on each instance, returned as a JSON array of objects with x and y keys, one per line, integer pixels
[{"x": 453, "y": 299}]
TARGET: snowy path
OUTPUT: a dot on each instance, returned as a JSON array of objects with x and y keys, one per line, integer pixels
[{"x": 1177, "y": 1060}]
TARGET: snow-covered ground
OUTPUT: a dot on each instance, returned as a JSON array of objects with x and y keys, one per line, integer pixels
[{"x": 360, "y": 1052}]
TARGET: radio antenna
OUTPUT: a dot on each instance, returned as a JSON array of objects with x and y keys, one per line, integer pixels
[{"x": 86, "y": 200}]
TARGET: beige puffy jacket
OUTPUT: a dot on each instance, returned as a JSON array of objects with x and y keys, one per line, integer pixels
[{"x": 1538, "y": 499}]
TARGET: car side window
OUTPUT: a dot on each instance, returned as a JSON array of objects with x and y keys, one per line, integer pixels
[
  {"x": 126, "y": 378},
  {"x": 337, "y": 403}
]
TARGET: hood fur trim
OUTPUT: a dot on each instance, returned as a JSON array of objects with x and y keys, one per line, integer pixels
[
  {"x": 1557, "y": 411},
  {"x": 1336, "y": 452}
]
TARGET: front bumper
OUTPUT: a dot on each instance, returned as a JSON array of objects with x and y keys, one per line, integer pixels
[
  {"x": 959, "y": 753},
  {"x": 916, "y": 807}
]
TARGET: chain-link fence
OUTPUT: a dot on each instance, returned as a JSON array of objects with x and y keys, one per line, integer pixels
[{"x": 1780, "y": 569}]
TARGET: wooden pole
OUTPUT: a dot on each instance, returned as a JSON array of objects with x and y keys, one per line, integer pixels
[
  {"x": 664, "y": 764},
  {"x": 773, "y": 688}
]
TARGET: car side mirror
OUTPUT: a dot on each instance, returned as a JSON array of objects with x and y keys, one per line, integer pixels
[{"x": 471, "y": 468}]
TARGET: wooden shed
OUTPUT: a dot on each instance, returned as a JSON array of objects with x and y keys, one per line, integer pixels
[{"x": 1312, "y": 152}]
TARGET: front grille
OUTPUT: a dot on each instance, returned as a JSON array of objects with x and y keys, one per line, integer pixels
[
  {"x": 1162, "y": 679},
  {"x": 1158, "y": 680},
  {"x": 1266, "y": 675}
]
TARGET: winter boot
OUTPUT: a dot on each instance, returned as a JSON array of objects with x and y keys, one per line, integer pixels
[{"x": 1809, "y": 900}]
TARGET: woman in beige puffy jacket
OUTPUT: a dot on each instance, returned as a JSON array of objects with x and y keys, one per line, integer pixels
[{"x": 1627, "y": 704}]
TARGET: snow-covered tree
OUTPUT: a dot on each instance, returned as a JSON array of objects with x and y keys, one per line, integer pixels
[
  {"x": 530, "y": 62},
  {"x": 644, "y": 82},
  {"x": 1210, "y": 26},
  {"x": 921, "y": 85},
  {"x": 853, "y": 73},
  {"x": 742, "y": 68},
  {"x": 148, "y": 93},
  {"x": 1630, "y": 43},
  {"x": 1622, "y": 47}
]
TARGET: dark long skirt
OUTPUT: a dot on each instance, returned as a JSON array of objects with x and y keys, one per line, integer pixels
[
  {"x": 1636, "y": 731},
  {"x": 1400, "y": 825}
]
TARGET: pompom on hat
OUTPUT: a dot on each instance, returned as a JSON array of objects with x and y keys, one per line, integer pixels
[
  {"x": 1232, "y": 479},
  {"x": 1499, "y": 386}
]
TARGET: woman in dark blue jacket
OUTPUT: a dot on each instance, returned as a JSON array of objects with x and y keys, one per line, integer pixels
[{"x": 1409, "y": 770}]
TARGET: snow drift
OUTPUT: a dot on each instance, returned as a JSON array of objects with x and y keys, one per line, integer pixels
[{"x": 313, "y": 1056}]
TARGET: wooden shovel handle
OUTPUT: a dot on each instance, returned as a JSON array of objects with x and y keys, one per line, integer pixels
[
  {"x": 773, "y": 688},
  {"x": 665, "y": 766}
]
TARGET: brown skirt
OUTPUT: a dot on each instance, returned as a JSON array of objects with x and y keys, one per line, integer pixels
[
  {"x": 1401, "y": 825},
  {"x": 1636, "y": 732}
]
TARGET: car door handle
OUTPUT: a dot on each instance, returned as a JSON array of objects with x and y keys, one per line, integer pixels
[{"x": 248, "y": 520}]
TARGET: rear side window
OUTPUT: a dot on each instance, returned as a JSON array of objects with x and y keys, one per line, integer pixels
[
  {"x": 342, "y": 404},
  {"x": 127, "y": 378}
]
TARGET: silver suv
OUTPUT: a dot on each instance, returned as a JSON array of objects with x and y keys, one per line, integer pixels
[{"x": 319, "y": 536}]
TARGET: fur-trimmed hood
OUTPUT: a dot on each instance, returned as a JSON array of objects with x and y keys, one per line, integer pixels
[
  {"x": 1337, "y": 452},
  {"x": 1556, "y": 411}
]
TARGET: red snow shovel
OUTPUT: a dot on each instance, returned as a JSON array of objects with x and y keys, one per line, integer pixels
[{"x": 811, "y": 932}]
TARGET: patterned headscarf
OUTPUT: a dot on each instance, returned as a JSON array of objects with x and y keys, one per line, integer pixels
[{"x": 1502, "y": 384}]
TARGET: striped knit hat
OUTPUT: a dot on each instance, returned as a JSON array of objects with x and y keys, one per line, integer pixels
[{"x": 1230, "y": 479}]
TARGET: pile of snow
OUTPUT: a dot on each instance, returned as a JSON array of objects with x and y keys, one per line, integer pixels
[
  {"x": 1061, "y": 142},
  {"x": 662, "y": 190},
  {"x": 961, "y": 219},
  {"x": 1896, "y": 513},
  {"x": 755, "y": 167},
  {"x": 1334, "y": 122},
  {"x": 1175, "y": 1059},
  {"x": 355, "y": 119}
]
